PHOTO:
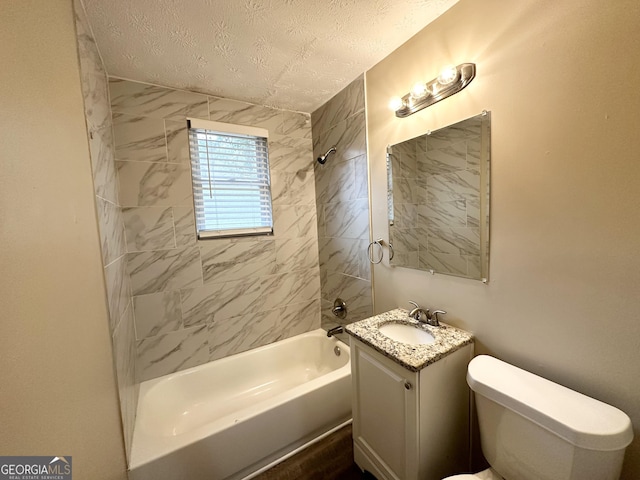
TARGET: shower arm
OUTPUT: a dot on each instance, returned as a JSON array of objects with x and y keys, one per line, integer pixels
[{"x": 323, "y": 158}]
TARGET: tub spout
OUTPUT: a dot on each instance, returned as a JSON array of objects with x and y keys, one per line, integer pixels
[{"x": 335, "y": 330}]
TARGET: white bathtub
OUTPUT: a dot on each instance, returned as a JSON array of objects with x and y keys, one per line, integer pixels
[{"x": 235, "y": 417}]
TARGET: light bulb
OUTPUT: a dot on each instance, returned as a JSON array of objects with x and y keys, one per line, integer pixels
[
  {"x": 419, "y": 90},
  {"x": 396, "y": 103},
  {"x": 448, "y": 75}
]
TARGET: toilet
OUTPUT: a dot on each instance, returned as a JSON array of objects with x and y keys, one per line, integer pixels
[{"x": 534, "y": 429}]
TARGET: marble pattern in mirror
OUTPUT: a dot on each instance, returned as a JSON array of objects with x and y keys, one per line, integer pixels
[{"x": 438, "y": 199}]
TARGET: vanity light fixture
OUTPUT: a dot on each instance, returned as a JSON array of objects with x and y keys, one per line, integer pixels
[{"x": 451, "y": 80}]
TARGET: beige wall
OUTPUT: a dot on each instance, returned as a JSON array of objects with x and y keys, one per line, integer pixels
[
  {"x": 58, "y": 390},
  {"x": 563, "y": 298}
]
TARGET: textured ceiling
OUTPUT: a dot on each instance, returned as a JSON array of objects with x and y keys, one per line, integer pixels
[{"x": 291, "y": 54}]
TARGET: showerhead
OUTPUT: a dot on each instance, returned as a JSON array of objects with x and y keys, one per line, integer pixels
[{"x": 323, "y": 158}]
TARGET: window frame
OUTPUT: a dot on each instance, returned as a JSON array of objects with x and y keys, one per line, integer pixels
[{"x": 231, "y": 130}]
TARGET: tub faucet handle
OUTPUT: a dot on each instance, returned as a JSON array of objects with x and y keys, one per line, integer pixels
[{"x": 339, "y": 308}]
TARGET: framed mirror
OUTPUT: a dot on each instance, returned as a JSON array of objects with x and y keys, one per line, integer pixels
[{"x": 438, "y": 199}]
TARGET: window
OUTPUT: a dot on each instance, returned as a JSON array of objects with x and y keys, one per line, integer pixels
[{"x": 231, "y": 184}]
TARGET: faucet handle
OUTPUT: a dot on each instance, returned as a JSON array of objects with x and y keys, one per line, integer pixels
[
  {"x": 434, "y": 315},
  {"x": 414, "y": 304}
]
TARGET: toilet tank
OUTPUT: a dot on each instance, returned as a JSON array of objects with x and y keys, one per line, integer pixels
[{"x": 534, "y": 429}]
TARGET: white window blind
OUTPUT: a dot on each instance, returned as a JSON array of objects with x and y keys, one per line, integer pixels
[{"x": 231, "y": 183}]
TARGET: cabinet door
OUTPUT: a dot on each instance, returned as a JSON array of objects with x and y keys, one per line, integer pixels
[{"x": 385, "y": 412}]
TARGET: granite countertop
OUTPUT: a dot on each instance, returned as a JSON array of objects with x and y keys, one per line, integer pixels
[{"x": 448, "y": 339}]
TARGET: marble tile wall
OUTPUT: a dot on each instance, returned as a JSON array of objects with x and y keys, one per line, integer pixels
[
  {"x": 110, "y": 220},
  {"x": 448, "y": 163},
  {"x": 342, "y": 201},
  {"x": 436, "y": 200},
  {"x": 408, "y": 194},
  {"x": 196, "y": 301}
]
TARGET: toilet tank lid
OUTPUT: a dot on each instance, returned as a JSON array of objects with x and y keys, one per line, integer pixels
[{"x": 581, "y": 420}]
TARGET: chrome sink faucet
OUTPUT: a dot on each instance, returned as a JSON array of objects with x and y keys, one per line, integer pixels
[
  {"x": 430, "y": 318},
  {"x": 418, "y": 312}
]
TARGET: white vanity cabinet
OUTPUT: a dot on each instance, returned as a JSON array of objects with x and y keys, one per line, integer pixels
[{"x": 410, "y": 425}]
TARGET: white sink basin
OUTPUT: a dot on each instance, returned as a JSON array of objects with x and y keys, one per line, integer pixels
[{"x": 401, "y": 332}]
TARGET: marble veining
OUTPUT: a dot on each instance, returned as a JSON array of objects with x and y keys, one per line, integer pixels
[
  {"x": 451, "y": 158},
  {"x": 348, "y": 136},
  {"x": 177, "y": 140},
  {"x": 232, "y": 111},
  {"x": 294, "y": 221},
  {"x": 448, "y": 339},
  {"x": 172, "y": 352},
  {"x": 443, "y": 214},
  {"x": 103, "y": 167},
  {"x": 236, "y": 288},
  {"x": 93, "y": 75},
  {"x": 152, "y": 101},
  {"x": 405, "y": 241},
  {"x": 342, "y": 204},
  {"x": 291, "y": 287},
  {"x": 336, "y": 284},
  {"x": 139, "y": 139},
  {"x": 289, "y": 154},
  {"x": 405, "y": 216},
  {"x": 361, "y": 173},
  {"x": 335, "y": 181},
  {"x": 347, "y": 219},
  {"x": 461, "y": 241},
  {"x": 230, "y": 336},
  {"x": 340, "y": 255},
  {"x": 162, "y": 270},
  {"x": 296, "y": 254},
  {"x": 111, "y": 228},
  {"x": 295, "y": 124},
  {"x": 157, "y": 313},
  {"x": 229, "y": 259},
  {"x": 289, "y": 188},
  {"x": 154, "y": 184},
  {"x": 443, "y": 262},
  {"x": 148, "y": 228},
  {"x": 184, "y": 226},
  {"x": 218, "y": 301},
  {"x": 118, "y": 286},
  {"x": 343, "y": 105}
]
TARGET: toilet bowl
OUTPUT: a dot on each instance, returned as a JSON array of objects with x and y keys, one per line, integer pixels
[{"x": 532, "y": 428}]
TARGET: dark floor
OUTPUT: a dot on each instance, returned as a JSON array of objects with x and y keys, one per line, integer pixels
[{"x": 329, "y": 459}]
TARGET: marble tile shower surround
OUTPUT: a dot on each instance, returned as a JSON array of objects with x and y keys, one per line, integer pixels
[
  {"x": 341, "y": 187},
  {"x": 196, "y": 301},
  {"x": 436, "y": 200},
  {"x": 110, "y": 220}
]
